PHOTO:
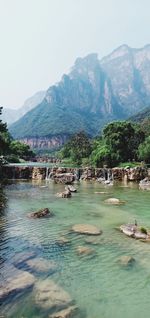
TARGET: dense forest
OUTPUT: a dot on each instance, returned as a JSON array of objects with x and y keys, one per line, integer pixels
[{"x": 120, "y": 142}]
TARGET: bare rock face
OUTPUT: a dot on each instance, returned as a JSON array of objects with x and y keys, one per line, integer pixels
[
  {"x": 50, "y": 296},
  {"x": 41, "y": 265},
  {"x": 86, "y": 229},
  {"x": 126, "y": 260},
  {"x": 70, "y": 312},
  {"x": 18, "y": 283},
  {"x": 85, "y": 251},
  {"x": 41, "y": 213}
]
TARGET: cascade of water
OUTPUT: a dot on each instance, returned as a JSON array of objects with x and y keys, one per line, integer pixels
[{"x": 47, "y": 171}]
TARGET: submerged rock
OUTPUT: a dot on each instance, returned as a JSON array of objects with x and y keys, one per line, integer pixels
[
  {"x": 126, "y": 260},
  {"x": 21, "y": 258},
  {"x": 41, "y": 213},
  {"x": 21, "y": 281},
  {"x": 114, "y": 201},
  {"x": 63, "y": 241},
  {"x": 42, "y": 265},
  {"x": 85, "y": 251},
  {"x": 92, "y": 240},
  {"x": 86, "y": 229},
  {"x": 50, "y": 296},
  {"x": 65, "y": 313}
]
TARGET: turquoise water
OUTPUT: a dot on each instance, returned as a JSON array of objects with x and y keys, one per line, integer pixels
[{"x": 100, "y": 286}]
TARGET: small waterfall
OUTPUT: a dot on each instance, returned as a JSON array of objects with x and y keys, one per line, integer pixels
[{"x": 47, "y": 173}]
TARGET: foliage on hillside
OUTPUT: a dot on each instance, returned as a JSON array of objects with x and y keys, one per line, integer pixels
[
  {"x": 11, "y": 150},
  {"x": 121, "y": 141}
]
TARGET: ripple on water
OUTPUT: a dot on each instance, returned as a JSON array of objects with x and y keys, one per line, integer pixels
[{"x": 99, "y": 285}]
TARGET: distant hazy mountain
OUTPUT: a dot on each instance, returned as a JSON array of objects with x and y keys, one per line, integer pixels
[
  {"x": 11, "y": 115},
  {"x": 92, "y": 94}
]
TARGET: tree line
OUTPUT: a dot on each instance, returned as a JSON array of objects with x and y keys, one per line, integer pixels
[
  {"x": 120, "y": 142},
  {"x": 12, "y": 150}
]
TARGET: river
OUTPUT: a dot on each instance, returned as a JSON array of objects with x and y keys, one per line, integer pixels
[{"x": 99, "y": 285}]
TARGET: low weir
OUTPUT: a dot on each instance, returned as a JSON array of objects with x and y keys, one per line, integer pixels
[{"x": 59, "y": 173}]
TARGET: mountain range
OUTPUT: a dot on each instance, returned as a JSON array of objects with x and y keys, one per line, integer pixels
[
  {"x": 11, "y": 115},
  {"x": 94, "y": 93}
]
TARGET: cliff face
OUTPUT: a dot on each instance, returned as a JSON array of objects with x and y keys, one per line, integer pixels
[
  {"x": 92, "y": 94},
  {"x": 45, "y": 142}
]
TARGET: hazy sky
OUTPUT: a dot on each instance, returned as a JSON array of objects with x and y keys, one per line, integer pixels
[{"x": 40, "y": 39}]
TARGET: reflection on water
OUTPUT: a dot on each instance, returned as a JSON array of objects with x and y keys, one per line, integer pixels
[{"x": 98, "y": 284}]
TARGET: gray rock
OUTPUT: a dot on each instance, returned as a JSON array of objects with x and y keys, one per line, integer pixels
[
  {"x": 18, "y": 283},
  {"x": 65, "y": 313},
  {"x": 85, "y": 251},
  {"x": 42, "y": 265},
  {"x": 126, "y": 260},
  {"x": 86, "y": 229},
  {"x": 41, "y": 213},
  {"x": 114, "y": 201},
  {"x": 50, "y": 296}
]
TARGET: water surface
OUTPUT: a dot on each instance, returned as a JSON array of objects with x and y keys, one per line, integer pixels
[{"x": 100, "y": 287}]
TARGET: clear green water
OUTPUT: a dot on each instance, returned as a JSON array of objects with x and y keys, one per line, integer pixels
[{"x": 99, "y": 285}]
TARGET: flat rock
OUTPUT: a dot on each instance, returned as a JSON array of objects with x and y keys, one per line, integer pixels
[
  {"x": 85, "y": 251},
  {"x": 18, "y": 283},
  {"x": 86, "y": 229},
  {"x": 50, "y": 296},
  {"x": 42, "y": 265},
  {"x": 126, "y": 260},
  {"x": 65, "y": 313},
  {"x": 114, "y": 201}
]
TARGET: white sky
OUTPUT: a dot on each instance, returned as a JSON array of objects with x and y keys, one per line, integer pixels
[{"x": 40, "y": 39}]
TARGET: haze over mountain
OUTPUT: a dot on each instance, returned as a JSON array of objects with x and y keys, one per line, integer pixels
[
  {"x": 92, "y": 94},
  {"x": 10, "y": 115}
]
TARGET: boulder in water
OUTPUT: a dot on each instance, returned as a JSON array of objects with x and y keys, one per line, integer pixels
[
  {"x": 114, "y": 201},
  {"x": 21, "y": 281},
  {"x": 42, "y": 265},
  {"x": 41, "y": 213},
  {"x": 126, "y": 260},
  {"x": 65, "y": 194},
  {"x": 134, "y": 231},
  {"x": 85, "y": 251},
  {"x": 50, "y": 296},
  {"x": 70, "y": 188},
  {"x": 65, "y": 313},
  {"x": 86, "y": 229}
]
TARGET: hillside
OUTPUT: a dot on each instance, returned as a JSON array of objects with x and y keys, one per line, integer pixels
[
  {"x": 10, "y": 115},
  {"x": 142, "y": 115},
  {"x": 92, "y": 94}
]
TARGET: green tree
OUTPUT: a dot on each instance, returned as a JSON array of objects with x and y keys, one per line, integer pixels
[
  {"x": 5, "y": 138},
  {"x": 21, "y": 150},
  {"x": 78, "y": 148},
  {"x": 144, "y": 150}
]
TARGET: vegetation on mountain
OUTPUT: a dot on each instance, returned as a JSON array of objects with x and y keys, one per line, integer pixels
[
  {"x": 11, "y": 150},
  {"x": 94, "y": 93},
  {"x": 144, "y": 150},
  {"x": 121, "y": 141}
]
